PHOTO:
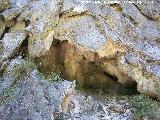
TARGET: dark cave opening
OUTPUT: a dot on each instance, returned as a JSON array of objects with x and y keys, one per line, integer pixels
[
  {"x": 71, "y": 64},
  {"x": 65, "y": 60}
]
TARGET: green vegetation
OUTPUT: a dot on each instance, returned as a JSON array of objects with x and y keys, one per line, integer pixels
[
  {"x": 19, "y": 71},
  {"x": 22, "y": 69},
  {"x": 143, "y": 106},
  {"x": 54, "y": 77},
  {"x": 88, "y": 90}
]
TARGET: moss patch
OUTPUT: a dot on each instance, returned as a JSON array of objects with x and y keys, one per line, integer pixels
[{"x": 143, "y": 106}]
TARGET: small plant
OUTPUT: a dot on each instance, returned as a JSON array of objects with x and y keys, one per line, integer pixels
[
  {"x": 53, "y": 77},
  {"x": 88, "y": 90},
  {"x": 22, "y": 70},
  {"x": 143, "y": 106}
]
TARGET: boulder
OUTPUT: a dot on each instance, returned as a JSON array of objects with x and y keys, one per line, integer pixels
[
  {"x": 25, "y": 93},
  {"x": 118, "y": 31},
  {"x": 43, "y": 16},
  {"x": 10, "y": 44}
]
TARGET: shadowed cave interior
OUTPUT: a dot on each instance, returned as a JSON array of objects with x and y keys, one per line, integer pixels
[{"x": 86, "y": 68}]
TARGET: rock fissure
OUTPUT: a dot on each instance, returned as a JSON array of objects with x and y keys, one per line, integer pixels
[{"x": 145, "y": 15}]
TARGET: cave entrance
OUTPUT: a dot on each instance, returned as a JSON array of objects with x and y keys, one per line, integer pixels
[{"x": 90, "y": 71}]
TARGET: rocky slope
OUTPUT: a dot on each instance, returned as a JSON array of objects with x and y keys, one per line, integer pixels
[
  {"x": 96, "y": 44},
  {"x": 119, "y": 39},
  {"x": 26, "y": 94}
]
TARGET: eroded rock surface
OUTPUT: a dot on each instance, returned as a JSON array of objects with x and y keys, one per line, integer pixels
[
  {"x": 26, "y": 94},
  {"x": 125, "y": 35},
  {"x": 88, "y": 107}
]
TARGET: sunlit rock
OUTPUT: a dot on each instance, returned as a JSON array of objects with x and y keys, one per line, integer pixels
[
  {"x": 11, "y": 42},
  {"x": 87, "y": 41},
  {"x": 35, "y": 96}
]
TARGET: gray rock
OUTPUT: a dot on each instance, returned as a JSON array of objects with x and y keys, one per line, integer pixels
[
  {"x": 127, "y": 33},
  {"x": 16, "y": 7},
  {"x": 11, "y": 42},
  {"x": 9, "y": 14},
  {"x": 88, "y": 108},
  {"x": 32, "y": 97},
  {"x": 150, "y": 8},
  {"x": 124, "y": 26},
  {"x": 81, "y": 31},
  {"x": 41, "y": 24}
]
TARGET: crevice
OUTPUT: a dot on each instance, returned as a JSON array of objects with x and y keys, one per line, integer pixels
[
  {"x": 114, "y": 78},
  {"x": 74, "y": 14},
  {"x": 157, "y": 41},
  {"x": 15, "y": 18},
  {"x": 5, "y": 31},
  {"x": 131, "y": 19},
  {"x": 27, "y": 22},
  {"x": 146, "y": 16},
  {"x": 23, "y": 50},
  {"x": 20, "y": 51}
]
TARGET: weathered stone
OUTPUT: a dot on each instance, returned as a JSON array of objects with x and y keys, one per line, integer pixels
[
  {"x": 4, "y": 4},
  {"x": 34, "y": 97},
  {"x": 36, "y": 101},
  {"x": 150, "y": 8},
  {"x": 82, "y": 31},
  {"x": 41, "y": 25},
  {"x": 106, "y": 30},
  {"x": 9, "y": 14},
  {"x": 98, "y": 35},
  {"x": 16, "y": 7},
  {"x": 39, "y": 46},
  {"x": 90, "y": 108},
  {"x": 98, "y": 45},
  {"x": 145, "y": 74},
  {"x": 10, "y": 43},
  {"x": 18, "y": 27},
  {"x": 2, "y": 28},
  {"x": 119, "y": 30}
]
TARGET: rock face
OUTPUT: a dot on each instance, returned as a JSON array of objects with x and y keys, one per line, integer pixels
[
  {"x": 25, "y": 94},
  {"x": 90, "y": 108},
  {"x": 124, "y": 36}
]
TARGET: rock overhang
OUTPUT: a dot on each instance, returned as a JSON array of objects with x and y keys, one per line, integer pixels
[{"x": 108, "y": 30}]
